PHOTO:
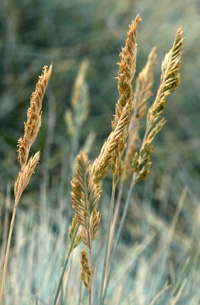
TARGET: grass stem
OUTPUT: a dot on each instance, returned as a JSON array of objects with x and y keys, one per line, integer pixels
[
  {"x": 118, "y": 237},
  {"x": 7, "y": 253},
  {"x": 90, "y": 284},
  {"x": 65, "y": 266},
  {"x": 116, "y": 213},
  {"x": 106, "y": 257}
]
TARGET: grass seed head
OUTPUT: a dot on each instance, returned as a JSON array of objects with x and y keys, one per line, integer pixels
[
  {"x": 169, "y": 82},
  {"x": 33, "y": 123}
]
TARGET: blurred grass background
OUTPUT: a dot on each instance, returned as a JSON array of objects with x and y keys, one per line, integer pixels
[{"x": 34, "y": 33}]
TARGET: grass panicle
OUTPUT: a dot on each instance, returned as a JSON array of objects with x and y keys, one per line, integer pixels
[
  {"x": 33, "y": 123},
  {"x": 170, "y": 79},
  {"x": 127, "y": 68},
  {"x": 31, "y": 128},
  {"x": 114, "y": 147}
]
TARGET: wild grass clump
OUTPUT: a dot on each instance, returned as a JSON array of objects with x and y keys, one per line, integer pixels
[{"x": 127, "y": 155}]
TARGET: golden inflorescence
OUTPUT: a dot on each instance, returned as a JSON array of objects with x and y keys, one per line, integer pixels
[{"x": 87, "y": 182}]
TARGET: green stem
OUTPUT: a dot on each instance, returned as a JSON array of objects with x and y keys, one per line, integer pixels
[
  {"x": 65, "y": 266},
  {"x": 106, "y": 257}
]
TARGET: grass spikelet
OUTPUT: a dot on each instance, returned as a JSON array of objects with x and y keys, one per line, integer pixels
[
  {"x": 94, "y": 220},
  {"x": 72, "y": 229},
  {"x": 86, "y": 272},
  {"x": 170, "y": 80}
]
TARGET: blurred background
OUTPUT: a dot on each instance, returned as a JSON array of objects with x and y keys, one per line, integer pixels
[{"x": 35, "y": 33}]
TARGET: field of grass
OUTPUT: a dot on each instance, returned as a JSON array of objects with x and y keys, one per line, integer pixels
[{"x": 158, "y": 255}]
